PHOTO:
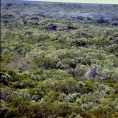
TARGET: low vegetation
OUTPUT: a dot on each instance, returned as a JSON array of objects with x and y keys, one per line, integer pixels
[{"x": 46, "y": 50}]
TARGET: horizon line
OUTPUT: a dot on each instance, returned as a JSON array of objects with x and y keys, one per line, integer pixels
[{"x": 80, "y": 1}]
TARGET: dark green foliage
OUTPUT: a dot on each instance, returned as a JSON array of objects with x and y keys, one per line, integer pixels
[
  {"x": 4, "y": 77},
  {"x": 46, "y": 62},
  {"x": 80, "y": 18},
  {"x": 52, "y": 27},
  {"x": 101, "y": 20}
]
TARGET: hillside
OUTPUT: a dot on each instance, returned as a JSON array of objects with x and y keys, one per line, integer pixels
[{"x": 46, "y": 49}]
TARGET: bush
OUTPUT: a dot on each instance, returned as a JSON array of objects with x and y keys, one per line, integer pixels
[
  {"x": 80, "y": 17},
  {"x": 12, "y": 112},
  {"x": 52, "y": 27},
  {"x": 46, "y": 62},
  {"x": 4, "y": 78},
  {"x": 79, "y": 42},
  {"x": 79, "y": 71},
  {"x": 115, "y": 23},
  {"x": 74, "y": 115}
]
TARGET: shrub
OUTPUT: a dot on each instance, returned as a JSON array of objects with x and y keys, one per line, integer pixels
[
  {"x": 70, "y": 27},
  {"x": 4, "y": 58},
  {"x": 74, "y": 115},
  {"x": 79, "y": 71},
  {"x": 4, "y": 78},
  {"x": 89, "y": 86},
  {"x": 79, "y": 42},
  {"x": 73, "y": 97},
  {"x": 52, "y": 27},
  {"x": 19, "y": 77},
  {"x": 115, "y": 23},
  {"x": 80, "y": 17},
  {"x": 45, "y": 62},
  {"x": 12, "y": 112}
]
